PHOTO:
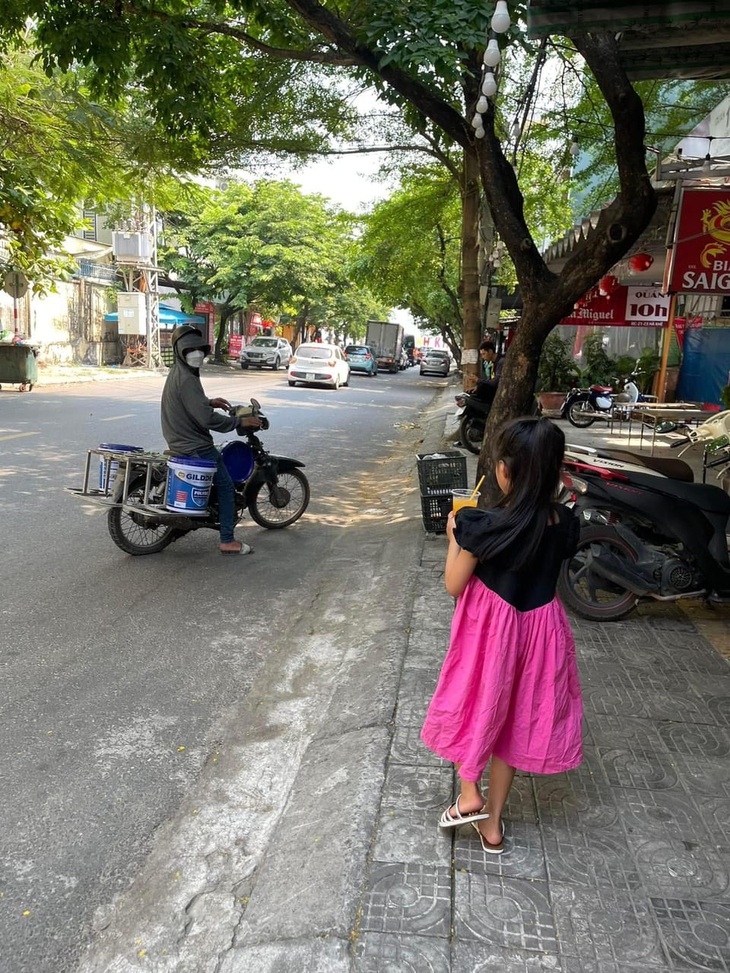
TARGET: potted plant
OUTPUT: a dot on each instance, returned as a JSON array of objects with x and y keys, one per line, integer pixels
[{"x": 557, "y": 373}]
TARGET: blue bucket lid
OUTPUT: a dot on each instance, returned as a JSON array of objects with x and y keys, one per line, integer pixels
[
  {"x": 119, "y": 448},
  {"x": 239, "y": 460},
  {"x": 203, "y": 464}
]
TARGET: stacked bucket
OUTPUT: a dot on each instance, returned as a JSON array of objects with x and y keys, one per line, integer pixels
[{"x": 438, "y": 475}]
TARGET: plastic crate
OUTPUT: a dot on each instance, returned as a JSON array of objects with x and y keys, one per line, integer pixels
[
  {"x": 435, "y": 512},
  {"x": 440, "y": 473}
]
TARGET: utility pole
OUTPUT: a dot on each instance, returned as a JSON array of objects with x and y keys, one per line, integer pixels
[{"x": 135, "y": 251}]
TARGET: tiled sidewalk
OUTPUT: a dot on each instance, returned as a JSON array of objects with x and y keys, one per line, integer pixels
[{"x": 621, "y": 866}]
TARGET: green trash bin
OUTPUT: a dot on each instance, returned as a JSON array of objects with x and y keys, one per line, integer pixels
[{"x": 18, "y": 365}]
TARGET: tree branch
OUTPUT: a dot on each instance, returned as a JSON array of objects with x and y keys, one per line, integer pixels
[
  {"x": 417, "y": 92},
  {"x": 622, "y": 222}
]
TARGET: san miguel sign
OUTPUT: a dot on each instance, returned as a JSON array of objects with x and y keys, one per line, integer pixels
[
  {"x": 699, "y": 260},
  {"x": 643, "y": 307}
]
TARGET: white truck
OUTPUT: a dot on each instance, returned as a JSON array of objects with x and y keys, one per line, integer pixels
[{"x": 386, "y": 340}]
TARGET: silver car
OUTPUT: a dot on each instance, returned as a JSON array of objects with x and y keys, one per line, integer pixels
[
  {"x": 270, "y": 352},
  {"x": 436, "y": 362}
]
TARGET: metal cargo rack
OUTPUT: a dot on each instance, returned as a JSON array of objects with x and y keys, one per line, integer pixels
[{"x": 105, "y": 497}]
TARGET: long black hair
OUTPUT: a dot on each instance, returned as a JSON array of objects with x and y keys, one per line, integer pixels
[{"x": 532, "y": 450}]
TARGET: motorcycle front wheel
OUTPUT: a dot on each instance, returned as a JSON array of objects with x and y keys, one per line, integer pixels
[
  {"x": 584, "y": 590},
  {"x": 471, "y": 434},
  {"x": 138, "y": 533},
  {"x": 278, "y": 505},
  {"x": 581, "y": 414}
]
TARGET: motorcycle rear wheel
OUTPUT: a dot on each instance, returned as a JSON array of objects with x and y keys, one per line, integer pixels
[
  {"x": 587, "y": 593},
  {"x": 471, "y": 434},
  {"x": 280, "y": 505},
  {"x": 136, "y": 534},
  {"x": 581, "y": 414}
]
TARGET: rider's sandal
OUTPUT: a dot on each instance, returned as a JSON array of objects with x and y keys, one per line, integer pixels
[{"x": 240, "y": 548}]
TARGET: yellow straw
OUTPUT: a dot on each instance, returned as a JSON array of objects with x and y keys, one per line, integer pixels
[{"x": 476, "y": 489}]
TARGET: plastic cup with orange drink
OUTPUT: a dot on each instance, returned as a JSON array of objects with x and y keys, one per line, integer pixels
[{"x": 464, "y": 498}]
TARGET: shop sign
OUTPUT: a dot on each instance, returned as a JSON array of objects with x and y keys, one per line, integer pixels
[
  {"x": 640, "y": 307},
  {"x": 235, "y": 343},
  {"x": 647, "y": 307},
  {"x": 699, "y": 260}
]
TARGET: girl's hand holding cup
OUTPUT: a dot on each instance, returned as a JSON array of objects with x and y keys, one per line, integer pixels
[{"x": 450, "y": 524}]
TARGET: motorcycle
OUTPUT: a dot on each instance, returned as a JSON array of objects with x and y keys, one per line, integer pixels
[
  {"x": 582, "y": 407},
  {"x": 643, "y": 534},
  {"x": 472, "y": 416},
  {"x": 272, "y": 488}
]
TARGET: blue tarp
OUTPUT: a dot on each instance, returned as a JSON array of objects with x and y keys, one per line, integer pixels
[
  {"x": 169, "y": 317},
  {"x": 705, "y": 365}
]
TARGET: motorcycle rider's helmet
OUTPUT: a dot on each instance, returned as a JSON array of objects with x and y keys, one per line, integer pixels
[{"x": 186, "y": 337}]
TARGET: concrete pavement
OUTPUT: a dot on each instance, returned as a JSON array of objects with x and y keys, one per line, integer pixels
[{"x": 336, "y": 862}]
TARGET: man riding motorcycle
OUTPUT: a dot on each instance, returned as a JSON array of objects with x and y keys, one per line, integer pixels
[{"x": 188, "y": 415}]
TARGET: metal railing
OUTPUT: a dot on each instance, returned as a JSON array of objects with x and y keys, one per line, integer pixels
[{"x": 88, "y": 268}]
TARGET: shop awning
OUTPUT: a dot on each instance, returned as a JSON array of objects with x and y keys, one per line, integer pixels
[
  {"x": 684, "y": 39},
  {"x": 170, "y": 317}
]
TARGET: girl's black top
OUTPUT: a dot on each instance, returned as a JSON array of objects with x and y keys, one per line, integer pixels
[{"x": 533, "y": 585}]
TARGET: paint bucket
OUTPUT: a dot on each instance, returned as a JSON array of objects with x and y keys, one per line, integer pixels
[
  {"x": 239, "y": 460},
  {"x": 189, "y": 480},
  {"x": 112, "y": 465}
]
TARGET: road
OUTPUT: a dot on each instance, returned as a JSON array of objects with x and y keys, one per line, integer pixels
[{"x": 117, "y": 671}]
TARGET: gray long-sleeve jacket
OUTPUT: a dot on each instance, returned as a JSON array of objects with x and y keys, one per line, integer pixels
[{"x": 186, "y": 412}]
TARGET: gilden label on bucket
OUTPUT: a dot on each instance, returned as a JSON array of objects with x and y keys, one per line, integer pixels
[{"x": 188, "y": 485}]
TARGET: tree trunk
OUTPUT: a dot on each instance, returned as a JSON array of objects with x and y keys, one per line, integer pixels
[
  {"x": 226, "y": 313},
  {"x": 470, "y": 204},
  {"x": 301, "y": 329}
]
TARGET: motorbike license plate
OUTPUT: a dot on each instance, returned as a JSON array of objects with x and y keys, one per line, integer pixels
[{"x": 310, "y": 376}]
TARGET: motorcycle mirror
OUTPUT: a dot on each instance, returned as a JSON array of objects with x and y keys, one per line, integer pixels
[{"x": 255, "y": 405}]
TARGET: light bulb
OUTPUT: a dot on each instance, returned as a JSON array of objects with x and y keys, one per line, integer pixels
[
  {"x": 492, "y": 56},
  {"x": 706, "y": 169},
  {"x": 500, "y": 17},
  {"x": 489, "y": 85},
  {"x": 574, "y": 149},
  {"x": 516, "y": 130},
  {"x": 476, "y": 122},
  {"x": 479, "y": 132},
  {"x": 482, "y": 104}
]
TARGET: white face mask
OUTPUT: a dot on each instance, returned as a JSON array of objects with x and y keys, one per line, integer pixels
[{"x": 195, "y": 358}]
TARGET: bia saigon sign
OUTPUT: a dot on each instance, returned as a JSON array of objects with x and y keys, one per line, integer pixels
[{"x": 699, "y": 260}]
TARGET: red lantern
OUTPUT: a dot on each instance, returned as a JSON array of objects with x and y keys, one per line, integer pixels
[
  {"x": 607, "y": 285},
  {"x": 640, "y": 262}
]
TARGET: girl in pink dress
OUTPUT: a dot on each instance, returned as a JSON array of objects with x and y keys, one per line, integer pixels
[{"x": 509, "y": 685}]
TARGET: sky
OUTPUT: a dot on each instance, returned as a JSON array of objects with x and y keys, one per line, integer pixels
[{"x": 347, "y": 180}]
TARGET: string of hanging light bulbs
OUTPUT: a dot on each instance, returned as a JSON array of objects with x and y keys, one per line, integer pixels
[{"x": 500, "y": 24}]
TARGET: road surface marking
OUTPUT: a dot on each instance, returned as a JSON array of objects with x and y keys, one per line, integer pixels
[
  {"x": 128, "y": 415},
  {"x": 18, "y": 435}
]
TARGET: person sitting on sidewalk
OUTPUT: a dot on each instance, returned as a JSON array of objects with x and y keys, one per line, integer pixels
[
  {"x": 491, "y": 370},
  {"x": 188, "y": 415},
  {"x": 509, "y": 685}
]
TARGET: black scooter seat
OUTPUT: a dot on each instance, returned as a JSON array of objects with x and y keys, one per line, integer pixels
[
  {"x": 477, "y": 405},
  {"x": 703, "y": 495}
]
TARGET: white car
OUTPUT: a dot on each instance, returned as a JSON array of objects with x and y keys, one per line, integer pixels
[
  {"x": 269, "y": 351},
  {"x": 319, "y": 364}
]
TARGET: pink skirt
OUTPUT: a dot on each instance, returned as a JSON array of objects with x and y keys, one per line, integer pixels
[{"x": 509, "y": 686}]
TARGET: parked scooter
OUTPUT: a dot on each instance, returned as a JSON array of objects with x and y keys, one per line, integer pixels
[
  {"x": 472, "y": 415},
  {"x": 583, "y": 406},
  {"x": 644, "y": 534},
  {"x": 134, "y": 486}
]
